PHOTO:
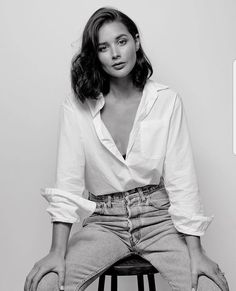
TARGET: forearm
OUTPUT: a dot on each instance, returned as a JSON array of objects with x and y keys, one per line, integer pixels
[
  {"x": 193, "y": 243},
  {"x": 60, "y": 235}
]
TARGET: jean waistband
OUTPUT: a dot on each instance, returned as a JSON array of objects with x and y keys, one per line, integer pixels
[{"x": 143, "y": 190}]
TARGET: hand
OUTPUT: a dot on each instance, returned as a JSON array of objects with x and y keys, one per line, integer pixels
[
  {"x": 202, "y": 265},
  {"x": 52, "y": 262}
]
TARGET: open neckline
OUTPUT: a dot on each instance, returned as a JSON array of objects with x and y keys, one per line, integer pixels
[{"x": 134, "y": 122}]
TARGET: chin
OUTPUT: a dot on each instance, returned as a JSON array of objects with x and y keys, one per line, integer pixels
[{"x": 121, "y": 74}]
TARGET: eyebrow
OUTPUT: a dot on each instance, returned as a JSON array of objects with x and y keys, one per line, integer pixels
[{"x": 120, "y": 35}]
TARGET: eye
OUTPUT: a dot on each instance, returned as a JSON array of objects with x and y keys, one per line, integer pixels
[
  {"x": 102, "y": 48},
  {"x": 122, "y": 41}
]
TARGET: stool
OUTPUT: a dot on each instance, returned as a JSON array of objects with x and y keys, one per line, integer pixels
[{"x": 132, "y": 265}]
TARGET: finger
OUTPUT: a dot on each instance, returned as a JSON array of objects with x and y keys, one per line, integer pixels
[
  {"x": 221, "y": 275},
  {"x": 61, "y": 275},
  {"x": 194, "y": 281},
  {"x": 29, "y": 278},
  {"x": 217, "y": 278},
  {"x": 32, "y": 280},
  {"x": 41, "y": 272}
]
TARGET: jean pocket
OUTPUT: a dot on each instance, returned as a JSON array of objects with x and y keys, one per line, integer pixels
[
  {"x": 159, "y": 200},
  {"x": 99, "y": 208}
]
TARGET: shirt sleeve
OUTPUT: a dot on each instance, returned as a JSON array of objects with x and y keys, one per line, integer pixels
[
  {"x": 180, "y": 179},
  {"x": 66, "y": 203}
]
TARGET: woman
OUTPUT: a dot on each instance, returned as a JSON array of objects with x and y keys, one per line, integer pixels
[{"x": 124, "y": 139}]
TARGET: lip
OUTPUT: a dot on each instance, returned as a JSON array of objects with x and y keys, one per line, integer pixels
[{"x": 118, "y": 64}]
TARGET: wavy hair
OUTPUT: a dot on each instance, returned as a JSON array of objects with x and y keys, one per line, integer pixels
[{"x": 88, "y": 79}]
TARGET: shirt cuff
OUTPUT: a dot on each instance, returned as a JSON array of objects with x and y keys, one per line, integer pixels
[
  {"x": 67, "y": 207},
  {"x": 190, "y": 224}
]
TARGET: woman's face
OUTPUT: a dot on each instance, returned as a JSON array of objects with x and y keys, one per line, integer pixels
[{"x": 116, "y": 45}]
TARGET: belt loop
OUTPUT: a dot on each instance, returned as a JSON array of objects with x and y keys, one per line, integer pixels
[
  {"x": 140, "y": 191},
  {"x": 109, "y": 201},
  {"x": 147, "y": 201},
  {"x": 89, "y": 195}
]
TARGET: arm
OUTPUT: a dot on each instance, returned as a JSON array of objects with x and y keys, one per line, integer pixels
[
  {"x": 65, "y": 200},
  {"x": 54, "y": 261},
  {"x": 180, "y": 179},
  {"x": 66, "y": 203},
  {"x": 186, "y": 208},
  {"x": 60, "y": 236},
  {"x": 194, "y": 244},
  {"x": 202, "y": 265}
]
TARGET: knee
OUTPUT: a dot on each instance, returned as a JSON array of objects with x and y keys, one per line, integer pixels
[
  {"x": 205, "y": 283},
  {"x": 49, "y": 282}
]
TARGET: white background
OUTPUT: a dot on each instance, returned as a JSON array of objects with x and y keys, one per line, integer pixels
[{"x": 191, "y": 45}]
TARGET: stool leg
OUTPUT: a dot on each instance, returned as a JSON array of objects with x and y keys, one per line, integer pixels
[
  {"x": 140, "y": 283},
  {"x": 113, "y": 283},
  {"x": 101, "y": 283},
  {"x": 151, "y": 282}
]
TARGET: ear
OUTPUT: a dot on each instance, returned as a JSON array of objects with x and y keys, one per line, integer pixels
[{"x": 137, "y": 42}]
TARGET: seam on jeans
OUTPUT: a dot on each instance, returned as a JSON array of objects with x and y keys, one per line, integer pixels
[
  {"x": 169, "y": 282},
  {"x": 101, "y": 269},
  {"x": 164, "y": 277}
]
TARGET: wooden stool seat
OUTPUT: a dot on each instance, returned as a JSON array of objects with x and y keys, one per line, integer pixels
[{"x": 132, "y": 265}]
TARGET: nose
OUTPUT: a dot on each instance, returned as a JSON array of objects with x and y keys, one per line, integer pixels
[{"x": 115, "y": 52}]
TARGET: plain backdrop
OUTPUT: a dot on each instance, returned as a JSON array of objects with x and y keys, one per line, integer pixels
[{"x": 191, "y": 44}]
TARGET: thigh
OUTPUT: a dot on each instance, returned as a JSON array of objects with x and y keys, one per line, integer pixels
[
  {"x": 204, "y": 283},
  {"x": 91, "y": 250},
  {"x": 49, "y": 282},
  {"x": 162, "y": 245},
  {"x": 169, "y": 254}
]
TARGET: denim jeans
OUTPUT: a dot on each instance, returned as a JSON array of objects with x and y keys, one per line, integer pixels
[{"x": 135, "y": 221}]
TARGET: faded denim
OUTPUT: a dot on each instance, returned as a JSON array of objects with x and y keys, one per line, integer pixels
[{"x": 134, "y": 221}]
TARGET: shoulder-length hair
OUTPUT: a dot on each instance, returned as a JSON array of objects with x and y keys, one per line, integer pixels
[{"x": 88, "y": 79}]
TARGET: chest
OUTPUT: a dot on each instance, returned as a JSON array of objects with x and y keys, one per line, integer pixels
[{"x": 119, "y": 120}]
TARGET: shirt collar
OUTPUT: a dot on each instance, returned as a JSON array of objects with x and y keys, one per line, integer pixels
[{"x": 151, "y": 90}]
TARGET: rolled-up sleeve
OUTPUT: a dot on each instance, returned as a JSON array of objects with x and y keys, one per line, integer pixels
[
  {"x": 180, "y": 179},
  {"x": 66, "y": 203}
]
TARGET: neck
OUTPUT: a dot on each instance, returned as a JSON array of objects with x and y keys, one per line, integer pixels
[{"x": 121, "y": 88}]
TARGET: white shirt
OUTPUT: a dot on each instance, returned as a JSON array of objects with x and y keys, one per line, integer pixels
[{"x": 159, "y": 145}]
